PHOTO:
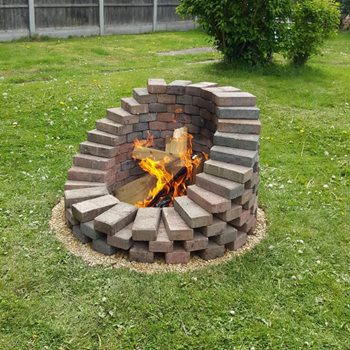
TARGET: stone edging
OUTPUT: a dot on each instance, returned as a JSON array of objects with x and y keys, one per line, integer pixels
[{"x": 58, "y": 226}]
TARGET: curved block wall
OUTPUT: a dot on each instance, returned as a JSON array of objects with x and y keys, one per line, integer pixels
[{"x": 218, "y": 211}]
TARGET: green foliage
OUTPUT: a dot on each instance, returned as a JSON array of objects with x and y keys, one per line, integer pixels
[
  {"x": 312, "y": 22},
  {"x": 251, "y": 31},
  {"x": 345, "y": 7},
  {"x": 243, "y": 30}
]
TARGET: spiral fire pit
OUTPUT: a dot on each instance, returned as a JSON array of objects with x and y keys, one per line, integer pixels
[{"x": 172, "y": 172}]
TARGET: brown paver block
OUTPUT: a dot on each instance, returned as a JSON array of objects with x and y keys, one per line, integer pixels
[
  {"x": 142, "y": 96},
  {"x": 112, "y": 127},
  {"x": 178, "y": 256},
  {"x": 97, "y": 149},
  {"x": 146, "y": 224},
  {"x": 162, "y": 244},
  {"x": 210, "y": 201},
  {"x": 76, "y": 173},
  {"x": 234, "y": 172},
  {"x": 121, "y": 116},
  {"x": 222, "y": 187},
  {"x": 93, "y": 162},
  {"x": 240, "y": 126},
  {"x": 176, "y": 227},
  {"x": 116, "y": 218},
  {"x": 199, "y": 242},
  {"x": 244, "y": 198},
  {"x": 75, "y": 196},
  {"x": 242, "y": 219},
  {"x": 228, "y": 235},
  {"x": 209, "y": 93},
  {"x": 166, "y": 98},
  {"x": 156, "y": 86},
  {"x": 233, "y": 213},
  {"x": 88, "y": 210},
  {"x": 196, "y": 89},
  {"x": 122, "y": 239},
  {"x": 72, "y": 185},
  {"x": 132, "y": 106},
  {"x": 234, "y": 140},
  {"x": 193, "y": 214},
  {"x": 216, "y": 228},
  {"x": 212, "y": 251},
  {"x": 239, "y": 242},
  {"x": 139, "y": 252},
  {"x": 178, "y": 87}
]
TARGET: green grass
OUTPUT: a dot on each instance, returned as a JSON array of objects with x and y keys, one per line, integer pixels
[{"x": 290, "y": 292}]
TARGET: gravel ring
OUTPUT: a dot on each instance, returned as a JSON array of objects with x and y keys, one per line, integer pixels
[{"x": 120, "y": 260}]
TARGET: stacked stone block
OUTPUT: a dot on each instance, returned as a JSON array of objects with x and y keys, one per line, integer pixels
[{"x": 220, "y": 208}]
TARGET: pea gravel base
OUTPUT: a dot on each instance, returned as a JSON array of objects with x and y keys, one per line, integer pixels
[{"x": 120, "y": 260}]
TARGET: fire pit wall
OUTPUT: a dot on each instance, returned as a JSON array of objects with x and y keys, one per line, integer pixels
[{"x": 220, "y": 209}]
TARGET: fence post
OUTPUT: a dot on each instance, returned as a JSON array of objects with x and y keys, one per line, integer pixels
[
  {"x": 101, "y": 10},
  {"x": 155, "y": 12},
  {"x": 31, "y": 17}
]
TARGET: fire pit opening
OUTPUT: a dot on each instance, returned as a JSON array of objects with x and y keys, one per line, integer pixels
[{"x": 171, "y": 173}]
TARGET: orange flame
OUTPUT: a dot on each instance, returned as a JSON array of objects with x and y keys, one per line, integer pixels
[{"x": 169, "y": 185}]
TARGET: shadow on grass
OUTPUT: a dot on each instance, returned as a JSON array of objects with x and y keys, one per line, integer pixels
[{"x": 280, "y": 70}]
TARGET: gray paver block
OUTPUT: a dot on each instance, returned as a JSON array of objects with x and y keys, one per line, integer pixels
[
  {"x": 146, "y": 224},
  {"x": 79, "y": 235},
  {"x": 88, "y": 210},
  {"x": 122, "y": 239},
  {"x": 240, "y": 126},
  {"x": 233, "y": 213},
  {"x": 234, "y": 140},
  {"x": 213, "y": 251},
  {"x": 162, "y": 244},
  {"x": 88, "y": 229},
  {"x": 234, "y": 155},
  {"x": 100, "y": 245},
  {"x": 210, "y": 201},
  {"x": 223, "y": 187},
  {"x": 193, "y": 214},
  {"x": 228, "y": 235},
  {"x": 239, "y": 242},
  {"x": 176, "y": 227},
  {"x": 234, "y": 172},
  {"x": 79, "y": 195},
  {"x": 238, "y": 112},
  {"x": 216, "y": 228},
  {"x": 199, "y": 242},
  {"x": 121, "y": 116},
  {"x": 116, "y": 218}
]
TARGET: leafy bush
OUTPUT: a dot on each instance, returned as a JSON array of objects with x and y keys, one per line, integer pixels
[
  {"x": 345, "y": 7},
  {"x": 243, "y": 30},
  {"x": 312, "y": 22},
  {"x": 250, "y": 31}
]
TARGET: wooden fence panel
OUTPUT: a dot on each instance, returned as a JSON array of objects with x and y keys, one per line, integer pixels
[
  {"x": 14, "y": 14},
  {"x": 118, "y": 12},
  {"x": 66, "y": 13}
]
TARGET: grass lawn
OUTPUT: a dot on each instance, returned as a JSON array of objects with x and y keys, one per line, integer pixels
[{"x": 290, "y": 292}]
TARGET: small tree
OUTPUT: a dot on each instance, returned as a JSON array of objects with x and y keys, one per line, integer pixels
[
  {"x": 312, "y": 22},
  {"x": 243, "y": 30},
  {"x": 250, "y": 31}
]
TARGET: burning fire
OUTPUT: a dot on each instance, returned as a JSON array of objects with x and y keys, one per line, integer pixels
[{"x": 168, "y": 184}]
